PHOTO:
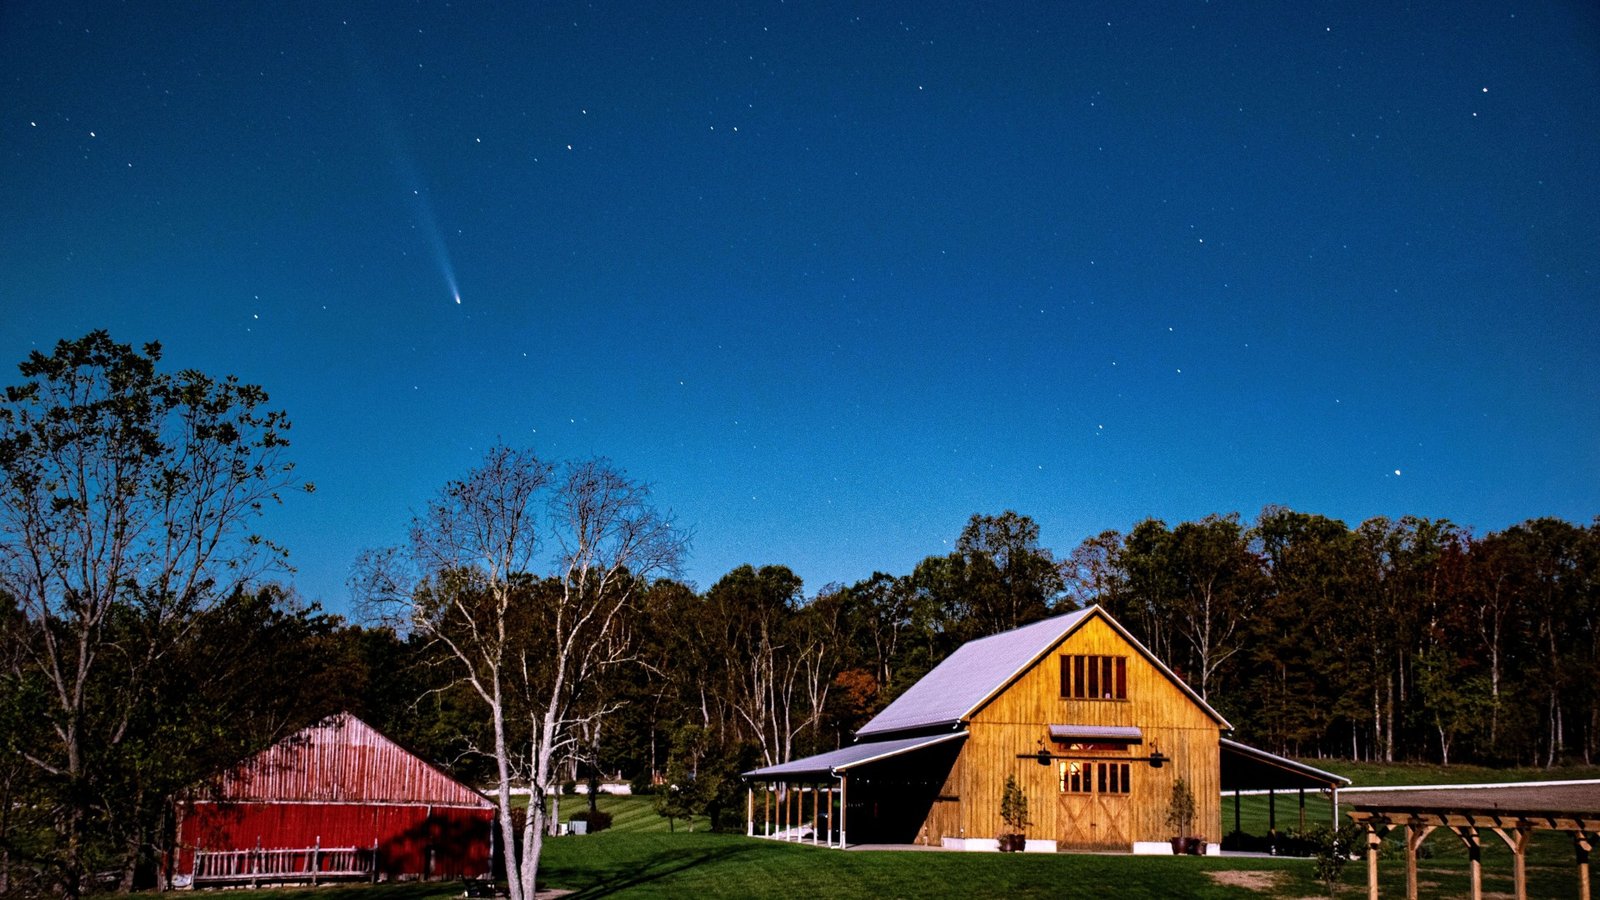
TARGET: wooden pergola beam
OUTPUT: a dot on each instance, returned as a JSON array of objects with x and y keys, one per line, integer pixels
[
  {"x": 1469, "y": 836},
  {"x": 1517, "y": 840},
  {"x": 1583, "y": 842},
  {"x": 1416, "y": 833},
  {"x": 1515, "y": 830}
]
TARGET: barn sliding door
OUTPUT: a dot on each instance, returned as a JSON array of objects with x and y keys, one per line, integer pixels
[{"x": 1094, "y": 803}]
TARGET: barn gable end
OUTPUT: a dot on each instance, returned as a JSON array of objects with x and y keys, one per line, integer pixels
[
  {"x": 335, "y": 800},
  {"x": 1096, "y": 750}
]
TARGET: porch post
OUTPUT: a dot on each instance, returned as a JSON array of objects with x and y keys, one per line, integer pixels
[
  {"x": 831, "y": 820},
  {"x": 750, "y": 811},
  {"x": 816, "y": 817},
  {"x": 1302, "y": 810},
  {"x": 1236, "y": 811},
  {"x": 844, "y": 809},
  {"x": 1272, "y": 819}
]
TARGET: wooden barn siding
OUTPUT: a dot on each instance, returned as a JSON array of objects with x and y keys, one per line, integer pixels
[
  {"x": 945, "y": 818},
  {"x": 456, "y": 838},
  {"x": 1014, "y": 722},
  {"x": 342, "y": 760}
]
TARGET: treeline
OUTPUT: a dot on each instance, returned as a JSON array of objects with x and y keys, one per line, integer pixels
[{"x": 1408, "y": 639}]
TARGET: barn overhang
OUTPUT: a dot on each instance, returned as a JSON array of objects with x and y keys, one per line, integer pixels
[
  {"x": 829, "y": 765},
  {"x": 1246, "y": 768},
  {"x": 1096, "y": 734}
]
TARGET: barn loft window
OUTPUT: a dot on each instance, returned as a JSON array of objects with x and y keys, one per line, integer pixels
[
  {"x": 1094, "y": 677},
  {"x": 1084, "y": 777}
]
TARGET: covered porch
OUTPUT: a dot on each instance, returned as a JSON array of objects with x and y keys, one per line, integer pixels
[
  {"x": 1249, "y": 771},
  {"x": 877, "y": 792}
]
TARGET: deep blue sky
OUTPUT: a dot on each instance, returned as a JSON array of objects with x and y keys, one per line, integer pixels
[{"x": 835, "y": 277}]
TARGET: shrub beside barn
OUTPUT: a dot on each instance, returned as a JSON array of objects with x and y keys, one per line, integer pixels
[{"x": 336, "y": 800}]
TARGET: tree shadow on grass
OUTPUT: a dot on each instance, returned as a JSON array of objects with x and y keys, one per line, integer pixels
[{"x": 639, "y": 871}]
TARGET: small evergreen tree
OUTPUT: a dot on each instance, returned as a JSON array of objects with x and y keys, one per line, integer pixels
[
  {"x": 1014, "y": 806},
  {"x": 1181, "y": 809}
]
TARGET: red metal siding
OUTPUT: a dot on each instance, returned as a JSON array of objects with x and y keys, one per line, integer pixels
[
  {"x": 341, "y": 784},
  {"x": 342, "y": 760},
  {"x": 414, "y": 840}
]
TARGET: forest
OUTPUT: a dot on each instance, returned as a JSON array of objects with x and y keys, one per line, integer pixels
[{"x": 531, "y": 632}]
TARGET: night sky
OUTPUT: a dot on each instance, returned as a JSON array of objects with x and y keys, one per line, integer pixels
[{"x": 835, "y": 277}]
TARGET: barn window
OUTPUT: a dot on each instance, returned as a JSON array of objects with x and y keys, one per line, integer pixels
[
  {"x": 1094, "y": 677},
  {"x": 1082, "y": 777},
  {"x": 1073, "y": 778},
  {"x": 1113, "y": 778}
]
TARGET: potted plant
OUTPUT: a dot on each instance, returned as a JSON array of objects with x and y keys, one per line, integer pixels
[
  {"x": 1014, "y": 812},
  {"x": 1180, "y": 818}
]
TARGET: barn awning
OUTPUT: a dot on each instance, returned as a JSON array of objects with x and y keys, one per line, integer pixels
[
  {"x": 1096, "y": 734},
  {"x": 827, "y": 765},
  {"x": 1245, "y": 768}
]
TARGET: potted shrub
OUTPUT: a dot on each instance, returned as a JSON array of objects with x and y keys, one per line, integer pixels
[
  {"x": 1180, "y": 818},
  {"x": 1014, "y": 812}
]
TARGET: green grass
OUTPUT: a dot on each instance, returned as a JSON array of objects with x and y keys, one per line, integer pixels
[
  {"x": 630, "y": 815},
  {"x": 639, "y": 858},
  {"x": 715, "y": 865},
  {"x": 1368, "y": 774},
  {"x": 644, "y": 864}
]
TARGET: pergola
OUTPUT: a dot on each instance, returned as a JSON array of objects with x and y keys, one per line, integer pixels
[{"x": 1511, "y": 812}]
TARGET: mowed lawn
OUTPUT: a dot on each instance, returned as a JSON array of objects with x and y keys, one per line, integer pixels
[{"x": 639, "y": 858}]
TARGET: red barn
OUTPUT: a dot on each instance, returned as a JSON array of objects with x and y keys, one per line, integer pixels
[{"x": 336, "y": 800}]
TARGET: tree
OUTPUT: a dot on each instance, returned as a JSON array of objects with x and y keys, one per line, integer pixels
[
  {"x": 126, "y": 497},
  {"x": 998, "y": 578},
  {"x": 769, "y": 655},
  {"x": 528, "y": 647}
]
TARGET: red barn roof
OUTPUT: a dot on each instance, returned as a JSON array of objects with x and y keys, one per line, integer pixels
[{"x": 341, "y": 760}]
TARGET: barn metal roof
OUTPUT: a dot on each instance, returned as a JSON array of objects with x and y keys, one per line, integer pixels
[
  {"x": 339, "y": 760},
  {"x": 1089, "y": 734},
  {"x": 1248, "y": 768},
  {"x": 826, "y": 765},
  {"x": 980, "y": 669}
]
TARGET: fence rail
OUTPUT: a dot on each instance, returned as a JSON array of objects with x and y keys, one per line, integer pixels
[{"x": 281, "y": 865}]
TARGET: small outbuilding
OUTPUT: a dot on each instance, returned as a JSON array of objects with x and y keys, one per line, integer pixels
[
  {"x": 335, "y": 800},
  {"x": 1095, "y": 730}
]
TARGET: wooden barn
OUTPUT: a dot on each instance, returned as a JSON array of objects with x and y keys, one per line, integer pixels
[
  {"x": 1093, "y": 726},
  {"x": 336, "y": 800}
]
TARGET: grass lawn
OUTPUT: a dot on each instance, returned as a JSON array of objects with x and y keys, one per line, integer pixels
[
  {"x": 639, "y": 858},
  {"x": 716, "y": 865}
]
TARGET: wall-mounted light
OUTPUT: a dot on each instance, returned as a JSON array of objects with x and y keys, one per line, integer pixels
[{"x": 1043, "y": 757}]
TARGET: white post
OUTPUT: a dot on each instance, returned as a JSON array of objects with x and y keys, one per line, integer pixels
[{"x": 844, "y": 809}]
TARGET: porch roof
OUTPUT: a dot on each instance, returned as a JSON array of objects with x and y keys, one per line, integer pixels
[
  {"x": 1246, "y": 768},
  {"x": 828, "y": 765}
]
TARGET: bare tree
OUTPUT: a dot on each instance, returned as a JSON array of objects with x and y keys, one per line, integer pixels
[
  {"x": 125, "y": 500},
  {"x": 527, "y": 646}
]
